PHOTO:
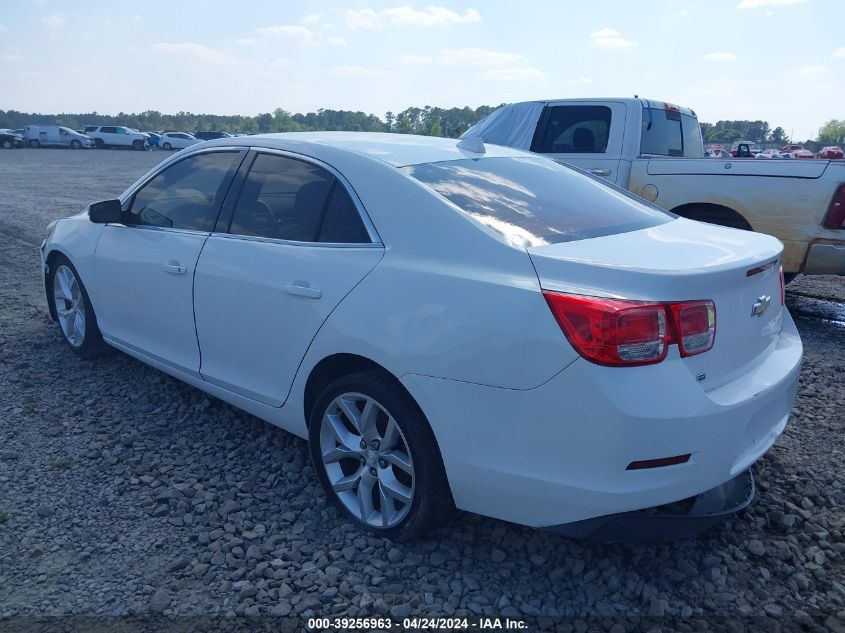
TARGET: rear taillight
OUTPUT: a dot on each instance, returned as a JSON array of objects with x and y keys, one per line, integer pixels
[
  {"x": 629, "y": 333},
  {"x": 782, "y": 288},
  {"x": 695, "y": 326},
  {"x": 835, "y": 218}
]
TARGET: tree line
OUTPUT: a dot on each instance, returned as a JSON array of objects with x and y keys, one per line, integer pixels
[{"x": 430, "y": 121}]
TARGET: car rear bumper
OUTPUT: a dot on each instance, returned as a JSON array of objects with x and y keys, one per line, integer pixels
[
  {"x": 560, "y": 453},
  {"x": 825, "y": 259}
]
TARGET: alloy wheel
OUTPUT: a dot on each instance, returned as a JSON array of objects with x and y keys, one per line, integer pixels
[
  {"x": 69, "y": 304},
  {"x": 367, "y": 460}
]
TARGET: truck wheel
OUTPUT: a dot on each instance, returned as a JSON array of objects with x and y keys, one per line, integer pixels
[
  {"x": 98, "y": 142},
  {"x": 34, "y": 144},
  {"x": 75, "y": 145},
  {"x": 713, "y": 214},
  {"x": 138, "y": 146}
]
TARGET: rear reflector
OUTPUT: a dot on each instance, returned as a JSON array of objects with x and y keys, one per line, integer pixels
[
  {"x": 620, "y": 333},
  {"x": 835, "y": 218},
  {"x": 659, "y": 463}
]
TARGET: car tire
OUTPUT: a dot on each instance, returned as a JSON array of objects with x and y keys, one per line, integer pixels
[
  {"x": 98, "y": 143},
  {"x": 167, "y": 146},
  {"x": 34, "y": 144},
  {"x": 7, "y": 144},
  {"x": 75, "y": 144},
  {"x": 138, "y": 146},
  {"x": 389, "y": 478},
  {"x": 72, "y": 308}
]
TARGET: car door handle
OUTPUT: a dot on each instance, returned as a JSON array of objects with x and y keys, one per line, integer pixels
[
  {"x": 599, "y": 172},
  {"x": 301, "y": 290},
  {"x": 174, "y": 269}
]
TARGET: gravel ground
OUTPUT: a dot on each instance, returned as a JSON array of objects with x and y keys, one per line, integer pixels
[{"x": 124, "y": 492}]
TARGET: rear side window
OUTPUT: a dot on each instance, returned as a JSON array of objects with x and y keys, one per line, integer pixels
[
  {"x": 108, "y": 130},
  {"x": 186, "y": 195},
  {"x": 574, "y": 129},
  {"x": 341, "y": 222},
  {"x": 536, "y": 201},
  {"x": 294, "y": 200},
  {"x": 670, "y": 133}
]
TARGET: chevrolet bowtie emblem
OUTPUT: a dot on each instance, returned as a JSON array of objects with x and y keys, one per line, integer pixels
[{"x": 761, "y": 305}]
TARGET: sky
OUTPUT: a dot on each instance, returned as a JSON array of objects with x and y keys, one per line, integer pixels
[{"x": 777, "y": 60}]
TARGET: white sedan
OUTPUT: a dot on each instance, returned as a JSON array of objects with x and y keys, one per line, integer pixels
[
  {"x": 450, "y": 325},
  {"x": 177, "y": 140}
]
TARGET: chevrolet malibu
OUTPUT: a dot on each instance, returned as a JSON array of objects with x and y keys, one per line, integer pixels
[{"x": 448, "y": 324}]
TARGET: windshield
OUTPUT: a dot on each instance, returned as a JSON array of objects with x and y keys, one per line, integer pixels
[{"x": 536, "y": 201}]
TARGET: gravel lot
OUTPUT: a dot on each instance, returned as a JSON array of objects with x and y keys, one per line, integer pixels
[{"x": 124, "y": 492}]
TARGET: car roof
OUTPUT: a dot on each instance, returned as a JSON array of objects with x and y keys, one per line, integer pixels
[{"x": 399, "y": 150}]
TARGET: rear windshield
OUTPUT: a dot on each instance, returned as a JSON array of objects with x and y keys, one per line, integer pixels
[{"x": 536, "y": 201}]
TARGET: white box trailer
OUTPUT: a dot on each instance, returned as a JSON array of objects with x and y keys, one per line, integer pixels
[{"x": 54, "y": 136}]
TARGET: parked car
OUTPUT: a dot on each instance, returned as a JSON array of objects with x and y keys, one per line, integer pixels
[
  {"x": 655, "y": 150},
  {"x": 744, "y": 149},
  {"x": 207, "y": 135},
  {"x": 790, "y": 148},
  {"x": 515, "y": 284},
  {"x": 177, "y": 140},
  {"x": 117, "y": 136},
  {"x": 802, "y": 153},
  {"x": 10, "y": 140},
  {"x": 55, "y": 136},
  {"x": 831, "y": 152},
  {"x": 769, "y": 153}
]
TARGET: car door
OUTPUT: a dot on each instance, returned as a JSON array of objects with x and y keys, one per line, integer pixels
[
  {"x": 144, "y": 267},
  {"x": 290, "y": 245},
  {"x": 586, "y": 135}
]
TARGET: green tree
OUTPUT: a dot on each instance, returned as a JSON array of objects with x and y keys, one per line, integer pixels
[
  {"x": 778, "y": 135},
  {"x": 832, "y": 133},
  {"x": 436, "y": 129}
]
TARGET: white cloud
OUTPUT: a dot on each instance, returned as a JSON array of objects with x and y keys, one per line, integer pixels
[
  {"x": 197, "y": 52},
  {"x": 245, "y": 41},
  {"x": 292, "y": 32},
  {"x": 813, "y": 70},
  {"x": 355, "y": 71},
  {"x": 311, "y": 18},
  {"x": 684, "y": 12},
  {"x": 55, "y": 21},
  {"x": 583, "y": 81},
  {"x": 757, "y": 4},
  {"x": 720, "y": 57},
  {"x": 476, "y": 57},
  {"x": 610, "y": 38},
  {"x": 406, "y": 15},
  {"x": 11, "y": 58},
  {"x": 432, "y": 16},
  {"x": 839, "y": 52},
  {"x": 138, "y": 18},
  {"x": 363, "y": 19},
  {"x": 337, "y": 40},
  {"x": 510, "y": 74}
]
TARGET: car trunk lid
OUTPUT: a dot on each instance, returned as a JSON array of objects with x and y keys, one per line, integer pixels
[{"x": 682, "y": 260}]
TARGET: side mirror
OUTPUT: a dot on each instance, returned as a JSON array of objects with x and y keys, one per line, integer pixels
[{"x": 105, "y": 212}]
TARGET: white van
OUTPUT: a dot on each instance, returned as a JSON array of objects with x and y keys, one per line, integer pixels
[{"x": 54, "y": 136}]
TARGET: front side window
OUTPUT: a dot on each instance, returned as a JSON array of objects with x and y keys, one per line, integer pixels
[
  {"x": 186, "y": 195},
  {"x": 536, "y": 201},
  {"x": 289, "y": 199},
  {"x": 574, "y": 129}
]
